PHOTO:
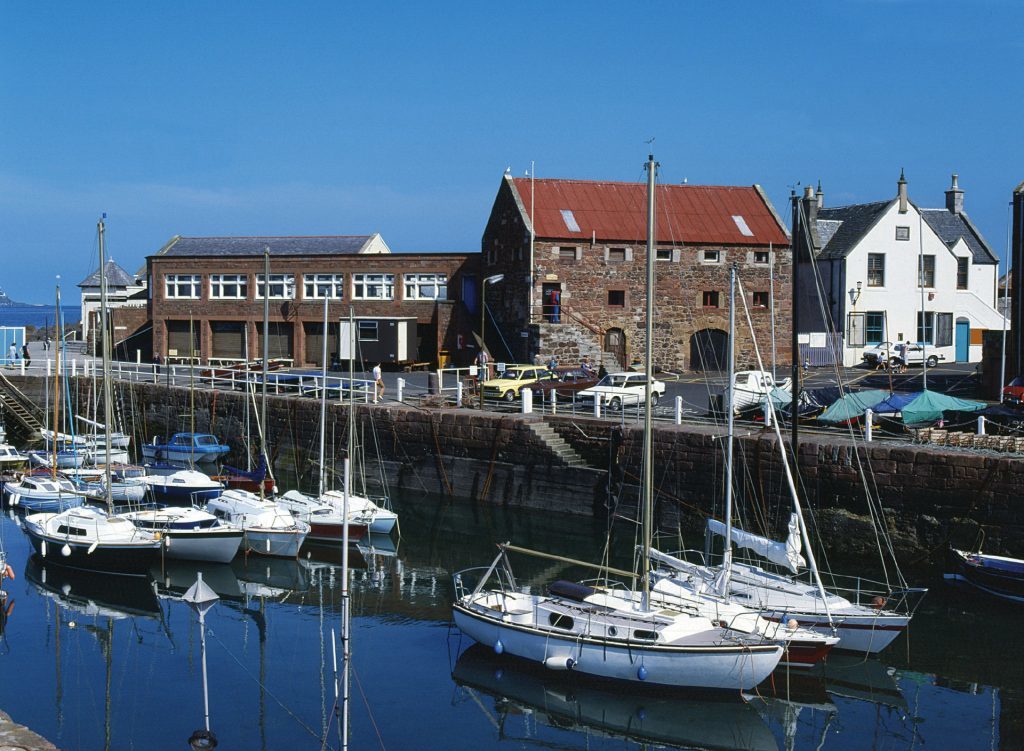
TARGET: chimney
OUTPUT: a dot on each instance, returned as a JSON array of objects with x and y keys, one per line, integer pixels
[
  {"x": 820, "y": 195},
  {"x": 901, "y": 192},
  {"x": 955, "y": 198}
]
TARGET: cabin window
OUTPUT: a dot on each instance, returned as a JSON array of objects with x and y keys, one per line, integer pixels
[
  {"x": 182, "y": 286},
  {"x": 710, "y": 298},
  {"x": 319, "y": 286},
  {"x": 229, "y": 286},
  {"x": 926, "y": 271},
  {"x": 643, "y": 635},
  {"x": 560, "y": 620},
  {"x": 761, "y": 300},
  {"x": 281, "y": 287},
  {"x": 616, "y": 298},
  {"x": 902, "y": 233},
  {"x": 65, "y": 530},
  {"x": 962, "y": 266},
  {"x": 426, "y": 286},
  {"x": 373, "y": 286},
  {"x": 876, "y": 269}
]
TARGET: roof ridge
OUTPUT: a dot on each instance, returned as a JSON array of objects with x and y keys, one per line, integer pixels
[
  {"x": 269, "y": 237},
  {"x": 629, "y": 182}
]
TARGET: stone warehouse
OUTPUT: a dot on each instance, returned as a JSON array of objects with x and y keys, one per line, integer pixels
[
  {"x": 207, "y": 299},
  {"x": 566, "y": 264}
]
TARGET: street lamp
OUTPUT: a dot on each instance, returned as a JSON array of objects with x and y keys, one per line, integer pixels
[
  {"x": 855, "y": 294},
  {"x": 483, "y": 322}
]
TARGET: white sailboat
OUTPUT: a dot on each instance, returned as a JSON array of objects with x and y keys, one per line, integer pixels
[
  {"x": 595, "y": 630},
  {"x": 268, "y": 529}
]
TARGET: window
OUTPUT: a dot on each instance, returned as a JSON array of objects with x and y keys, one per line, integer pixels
[
  {"x": 962, "y": 265},
  {"x": 711, "y": 256},
  {"x": 560, "y": 620},
  {"x": 616, "y": 298},
  {"x": 567, "y": 253},
  {"x": 663, "y": 254},
  {"x": 876, "y": 269},
  {"x": 182, "y": 286},
  {"x": 761, "y": 300},
  {"x": 616, "y": 255},
  {"x": 373, "y": 286},
  {"x": 902, "y": 233},
  {"x": 426, "y": 286},
  {"x": 762, "y": 256},
  {"x": 282, "y": 287},
  {"x": 926, "y": 271},
  {"x": 367, "y": 331},
  {"x": 874, "y": 327},
  {"x": 319, "y": 286},
  {"x": 710, "y": 299},
  {"x": 943, "y": 329},
  {"x": 925, "y": 333},
  {"x": 229, "y": 286}
]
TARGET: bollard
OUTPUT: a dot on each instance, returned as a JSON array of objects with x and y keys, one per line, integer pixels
[
  {"x": 981, "y": 424},
  {"x": 867, "y": 424},
  {"x": 554, "y": 402},
  {"x": 49, "y": 370},
  {"x": 767, "y": 413},
  {"x": 458, "y": 393},
  {"x": 527, "y": 397},
  {"x": 597, "y": 405},
  {"x": 401, "y": 390},
  {"x": 679, "y": 410},
  {"x": 138, "y": 357},
  {"x": 74, "y": 367}
]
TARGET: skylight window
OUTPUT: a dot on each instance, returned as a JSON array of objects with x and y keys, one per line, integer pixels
[
  {"x": 570, "y": 220},
  {"x": 741, "y": 225}
]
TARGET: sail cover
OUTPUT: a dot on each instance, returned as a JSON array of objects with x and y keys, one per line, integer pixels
[{"x": 782, "y": 553}]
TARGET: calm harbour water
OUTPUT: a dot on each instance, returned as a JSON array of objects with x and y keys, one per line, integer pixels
[
  {"x": 38, "y": 315},
  {"x": 96, "y": 662}
]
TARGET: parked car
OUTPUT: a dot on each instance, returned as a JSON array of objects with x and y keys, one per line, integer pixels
[
  {"x": 508, "y": 383},
  {"x": 566, "y": 386},
  {"x": 915, "y": 354},
  {"x": 620, "y": 389},
  {"x": 1013, "y": 393}
]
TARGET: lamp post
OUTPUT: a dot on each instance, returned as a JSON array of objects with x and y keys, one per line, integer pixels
[
  {"x": 855, "y": 294},
  {"x": 483, "y": 322}
]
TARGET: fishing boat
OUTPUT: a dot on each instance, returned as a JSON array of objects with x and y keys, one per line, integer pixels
[
  {"x": 189, "y": 534},
  {"x": 11, "y": 458},
  {"x": 185, "y": 447},
  {"x": 574, "y": 626},
  {"x": 995, "y": 575},
  {"x": 183, "y": 487},
  {"x": 268, "y": 529}
]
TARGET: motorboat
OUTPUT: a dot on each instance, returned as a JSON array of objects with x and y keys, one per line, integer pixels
[
  {"x": 185, "y": 447},
  {"x": 326, "y": 520},
  {"x": 49, "y": 492},
  {"x": 380, "y": 519},
  {"x": 11, "y": 458},
  {"x": 996, "y": 575},
  {"x": 183, "y": 487},
  {"x": 189, "y": 534},
  {"x": 268, "y": 529},
  {"x": 88, "y": 538}
]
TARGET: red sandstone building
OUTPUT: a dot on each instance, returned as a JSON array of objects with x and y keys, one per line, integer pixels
[
  {"x": 572, "y": 256},
  {"x": 207, "y": 299}
]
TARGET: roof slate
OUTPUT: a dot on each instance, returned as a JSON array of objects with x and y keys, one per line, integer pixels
[
  {"x": 951, "y": 227},
  {"x": 854, "y": 220},
  {"x": 116, "y": 277},
  {"x": 697, "y": 214},
  {"x": 279, "y": 246}
]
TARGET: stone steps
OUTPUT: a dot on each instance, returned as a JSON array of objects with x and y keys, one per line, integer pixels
[{"x": 566, "y": 453}]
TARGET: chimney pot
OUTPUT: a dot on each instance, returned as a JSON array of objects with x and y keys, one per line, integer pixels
[
  {"x": 955, "y": 197},
  {"x": 901, "y": 192}
]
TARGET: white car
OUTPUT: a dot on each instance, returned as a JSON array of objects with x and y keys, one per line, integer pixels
[
  {"x": 619, "y": 389},
  {"x": 914, "y": 356}
]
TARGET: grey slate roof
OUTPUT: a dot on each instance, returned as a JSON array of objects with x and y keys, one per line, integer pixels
[
  {"x": 854, "y": 220},
  {"x": 116, "y": 277},
  {"x": 951, "y": 227},
  {"x": 253, "y": 246}
]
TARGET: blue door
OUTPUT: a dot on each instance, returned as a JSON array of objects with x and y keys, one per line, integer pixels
[{"x": 963, "y": 340}]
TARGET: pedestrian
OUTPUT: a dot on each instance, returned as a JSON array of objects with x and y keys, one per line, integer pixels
[
  {"x": 556, "y": 305},
  {"x": 483, "y": 362},
  {"x": 26, "y": 355},
  {"x": 156, "y": 362},
  {"x": 883, "y": 360},
  {"x": 586, "y": 367},
  {"x": 378, "y": 384},
  {"x": 14, "y": 353},
  {"x": 553, "y": 365}
]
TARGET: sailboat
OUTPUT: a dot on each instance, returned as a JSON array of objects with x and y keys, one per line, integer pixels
[
  {"x": 87, "y": 537},
  {"x": 595, "y": 631}
]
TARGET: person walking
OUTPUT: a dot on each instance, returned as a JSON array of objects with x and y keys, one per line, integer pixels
[
  {"x": 26, "y": 355},
  {"x": 378, "y": 384},
  {"x": 13, "y": 353}
]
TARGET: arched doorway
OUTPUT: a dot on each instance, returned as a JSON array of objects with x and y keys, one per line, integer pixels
[
  {"x": 615, "y": 345},
  {"x": 709, "y": 349}
]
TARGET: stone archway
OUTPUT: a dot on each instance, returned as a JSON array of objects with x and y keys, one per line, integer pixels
[
  {"x": 709, "y": 349},
  {"x": 615, "y": 345}
]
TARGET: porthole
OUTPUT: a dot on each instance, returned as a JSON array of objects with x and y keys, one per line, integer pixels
[{"x": 612, "y": 631}]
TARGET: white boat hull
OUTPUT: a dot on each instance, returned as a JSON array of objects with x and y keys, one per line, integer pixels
[
  {"x": 857, "y": 633},
  {"x": 272, "y": 542},
  {"x": 219, "y": 545}
]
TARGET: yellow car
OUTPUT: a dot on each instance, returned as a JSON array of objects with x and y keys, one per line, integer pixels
[{"x": 508, "y": 384}]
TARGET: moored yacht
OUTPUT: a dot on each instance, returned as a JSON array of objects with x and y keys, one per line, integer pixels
[
  {"x": 189, "y": 534},
  {"x": 48, "y": 492},
  {"x": 184, "y": 487},
  {"x": 268, "y": 529},
  {"x": 326, "y": 520}
]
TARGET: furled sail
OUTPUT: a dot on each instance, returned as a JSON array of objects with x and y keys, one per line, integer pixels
[{"x": 782, "y": 553}]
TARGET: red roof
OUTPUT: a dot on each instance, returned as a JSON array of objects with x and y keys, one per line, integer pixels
[{"x": 693, "y": 214}]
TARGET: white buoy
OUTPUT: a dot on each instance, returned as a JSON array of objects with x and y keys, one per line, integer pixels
[
  {"x": 66, "y": 550},
  {"x": 42, "y": 548},
  {"x": 559, "y": 663},
  {"x": 92, "y": 548}
]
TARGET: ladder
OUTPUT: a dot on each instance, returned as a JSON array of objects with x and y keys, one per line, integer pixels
[{"x": 19, "y": 406}]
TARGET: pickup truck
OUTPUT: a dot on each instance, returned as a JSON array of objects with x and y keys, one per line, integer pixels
[{"x": 619, "y": 389}]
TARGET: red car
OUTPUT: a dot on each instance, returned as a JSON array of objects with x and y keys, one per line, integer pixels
[
  {"x": 567, "y": 384},
  {"x": 1013, "y": 394}
]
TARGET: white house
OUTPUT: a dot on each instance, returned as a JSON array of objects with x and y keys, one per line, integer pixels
[
  {"x": 121, "y": 288},
  {"x": 892, "y": 271}
]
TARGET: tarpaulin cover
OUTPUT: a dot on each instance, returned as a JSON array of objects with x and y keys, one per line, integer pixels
[
  {"x": 929, "y": 406},
  {"x": 852, "y": 406}
]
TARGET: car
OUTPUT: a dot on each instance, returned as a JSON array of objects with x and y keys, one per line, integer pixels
[
  {"x": 620, "y": 389},
  {"x": 914, "y": 355},
  {"x": 568, "y": 383},
  {"x": 1013, "y": 393},
  {"x": 510, "y": 381}
]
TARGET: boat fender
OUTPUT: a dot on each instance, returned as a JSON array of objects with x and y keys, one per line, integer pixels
[
  {"x": 498, "y": 647},
  {"x": 42, "y": 548},
  {"x": 8, "y": 571},
  {"x": 14, "y": 499},
  {"x": 559, "y": 663},
  {"x": 642, "y": 673},
  {"x": 268, "y": 544},
  {"x": 92, "y": 548},
  {"x": 792, "y": 624},
  {"x": 878, "y": 602},
  {"x": 66, "y": 550}
]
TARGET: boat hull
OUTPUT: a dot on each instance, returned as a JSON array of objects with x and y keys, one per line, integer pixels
[
  {"x": 38, "y": 503},
  {"x": 274, "y": 543},
  {"x": 183, "y": 496},
  {"x": 185, "y": 456},
  {"x": 857, "y": 633},
  {"x": 219, "y": 545},
  {"x": 384, "y": 522},
  {"x": 724, "y": 668},
  {"x": 330, "y": 532},
  {"x": 130, "y": 559},
  {"x": 999, "y": 577}
]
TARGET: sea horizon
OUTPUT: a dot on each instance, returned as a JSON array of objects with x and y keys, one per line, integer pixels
[{"x": 38, "y": 315}]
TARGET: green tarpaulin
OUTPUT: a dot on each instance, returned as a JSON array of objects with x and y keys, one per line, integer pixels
[
  {"x": 929, "y": 406},
  {"x": 852, "y": 405}
]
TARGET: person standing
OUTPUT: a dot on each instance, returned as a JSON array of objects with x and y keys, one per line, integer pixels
[
  {"x": 26, "y": 355},
  {"x": 483, "y": 362},
  {"x": 13, "y": 353},
  {"x": 378, "y": 384}
]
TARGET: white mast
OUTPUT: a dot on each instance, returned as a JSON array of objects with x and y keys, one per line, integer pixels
[
  {"x": 723, "y": 582},
  {"x": 323, "y": 395},
  {"x": 108, "y": 412},
  {"x": 648, "y": 470}
]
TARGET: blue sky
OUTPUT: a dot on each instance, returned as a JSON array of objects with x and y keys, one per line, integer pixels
[{"x": 239, "y": 118}]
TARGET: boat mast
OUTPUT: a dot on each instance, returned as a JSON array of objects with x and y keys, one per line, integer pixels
[
  {"x": 56, "y": 381},
  {"x": 266, "y": 351},
  {"x": 323, "y": 394},
  {"x": 727, "y": 556},
  {"x": 799, "y": 233},
  {"x": 648, "y": 467},
  {"x": 351, "y": 401},
  {"x": 108, "y": 396}
]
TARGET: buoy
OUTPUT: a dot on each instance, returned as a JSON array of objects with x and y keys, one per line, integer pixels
[
  {"x": 498, "y": 647},
  {"x": 66, "y": 550},
  {"x": 92, "y": 548},
  {"x": 559, "y": 663},
  {"x": 642, "y": 673},
  {"x": 878, "y": 602},
  {"x": 792, "y": 624}
]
